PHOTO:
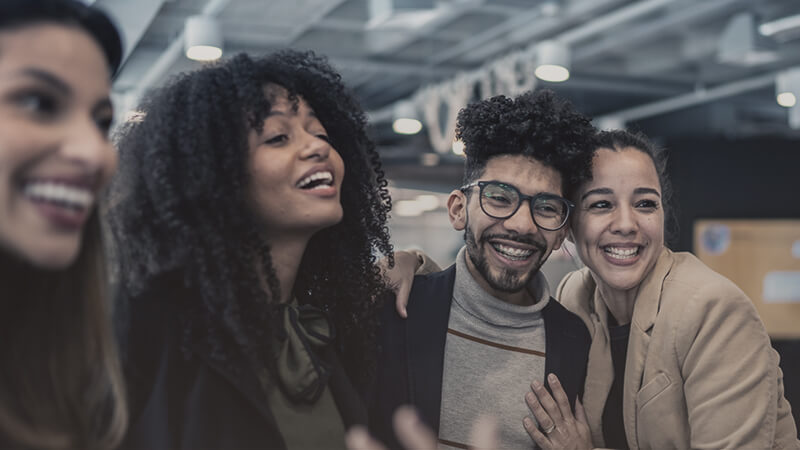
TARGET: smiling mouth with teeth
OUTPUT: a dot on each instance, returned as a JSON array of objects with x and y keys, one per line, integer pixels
[
  {"x": 59, "y": 194},
  {"x": 621, "y": 253},
  {"x": 512, "y": 253},
  {"x": 318, "y": 180}
]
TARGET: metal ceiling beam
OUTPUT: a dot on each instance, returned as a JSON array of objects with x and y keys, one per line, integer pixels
[
  {"x": 318, "y": 15},
  {"x": 533, "y": 20},
  {"x": 697, "y": 97},
  {"x": 447, "y": 13},
  {"x": 638, "y": 34}
]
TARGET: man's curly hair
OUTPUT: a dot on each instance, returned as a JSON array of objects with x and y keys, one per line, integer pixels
[
  {"x": 535, "y": 124},
  {"x": 180, "y": 204}
]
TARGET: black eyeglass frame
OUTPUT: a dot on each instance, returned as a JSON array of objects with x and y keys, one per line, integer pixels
[{"x": 522, "y": 198}]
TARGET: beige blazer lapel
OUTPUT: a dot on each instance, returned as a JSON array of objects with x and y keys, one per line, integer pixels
[
  {"x": 645, "y": 312},
  {"x": 597, "y": 387}
]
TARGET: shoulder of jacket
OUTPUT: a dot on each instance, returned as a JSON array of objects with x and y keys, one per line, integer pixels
[
  {"x": 575, "y": 289},
  {"x": 689, "y": 275}
]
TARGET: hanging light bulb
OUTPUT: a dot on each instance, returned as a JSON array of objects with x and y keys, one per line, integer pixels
[
  {"x": 553, "y": 59},
  {"x": 202, "y": 38}
]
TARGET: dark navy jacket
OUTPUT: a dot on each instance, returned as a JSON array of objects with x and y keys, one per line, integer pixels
[{"x": 411, "y": 360}]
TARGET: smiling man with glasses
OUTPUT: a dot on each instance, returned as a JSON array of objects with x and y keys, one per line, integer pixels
[{"x": 479, "y": 332}]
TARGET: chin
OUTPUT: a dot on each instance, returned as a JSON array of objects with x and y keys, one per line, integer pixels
[
  {"x": 329, "y": 221},
  {"x": 624, "y": 284},
  {"x": 55, "y": 257}
]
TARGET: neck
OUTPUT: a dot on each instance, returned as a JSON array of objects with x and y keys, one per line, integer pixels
[
  {"x": 619, "y": 303},
  {"x": 287, "y": 254}
]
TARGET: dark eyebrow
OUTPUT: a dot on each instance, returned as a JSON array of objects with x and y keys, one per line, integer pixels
[
  {"x": 49, "y": 79},
  {"x": 598, "y": 191},
  {"x": 647, "y": 191}
]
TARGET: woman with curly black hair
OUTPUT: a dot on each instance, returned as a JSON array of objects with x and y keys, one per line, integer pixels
[{"x": 247, "y": 216}]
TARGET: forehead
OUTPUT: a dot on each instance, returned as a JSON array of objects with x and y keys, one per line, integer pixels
[
  {"x": 529, "y": 175},
  {"x": 278, "y": 98},
  {"x": 626, "y": 166},
  {"x": 65, "y": 51}
]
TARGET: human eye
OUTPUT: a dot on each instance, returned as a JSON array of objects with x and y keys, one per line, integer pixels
[
  {"x": 599, "y": 205},
  {"x": 547, "y": 209},
  {"x": 647, "y": 204},
  {"x": 37, "y": 103},
  {"x": 277, "y": 139},
  {"x": 324, "y": 137},
  {"x": 499, "y": 195}
]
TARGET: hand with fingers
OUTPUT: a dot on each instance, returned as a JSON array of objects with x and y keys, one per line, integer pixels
[
  {"x": 414, "y": 435},
  {"x": 400, "y": 277},
  {"x": 560, "y": 428}
]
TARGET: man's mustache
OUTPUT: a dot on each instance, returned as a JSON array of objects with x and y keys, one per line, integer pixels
[{"x": 522, "y": 239}]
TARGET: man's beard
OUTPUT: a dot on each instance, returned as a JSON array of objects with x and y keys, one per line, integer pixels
[{"x": 507, "y": 280}]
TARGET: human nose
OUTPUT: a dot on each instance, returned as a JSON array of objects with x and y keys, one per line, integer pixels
[
  {"x": 88, "y": 145},
  {"x": 315, "y": 147},
  {"x": 623, "y": 221},
  {"x": 522, "y": 220}
]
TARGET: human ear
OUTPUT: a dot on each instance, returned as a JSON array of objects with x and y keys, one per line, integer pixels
[{"x": 457, "y": 209}]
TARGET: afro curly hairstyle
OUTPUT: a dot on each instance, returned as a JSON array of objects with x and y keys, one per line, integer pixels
[
  {"x": 180, "y": 204},
  {"x": 534, "y": 124}
]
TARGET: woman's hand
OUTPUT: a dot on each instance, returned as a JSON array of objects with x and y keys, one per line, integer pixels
[
  {"x": 414, "y": 435},
  {"x": 401, "y": 277},
  {"x": 562, "y": 429}
]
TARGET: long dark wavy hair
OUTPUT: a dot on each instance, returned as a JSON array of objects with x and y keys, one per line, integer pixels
[
  {"x": 180, "y": 204},
  {"x": 61, "y": 386}
]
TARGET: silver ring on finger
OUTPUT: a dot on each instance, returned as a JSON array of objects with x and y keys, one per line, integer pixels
[{"x": 550, "y": 429}]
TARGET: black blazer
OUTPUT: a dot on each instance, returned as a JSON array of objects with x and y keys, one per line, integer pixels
[
  {"x": 411, "y": 360},
  {"x": 193, "y": 400}
]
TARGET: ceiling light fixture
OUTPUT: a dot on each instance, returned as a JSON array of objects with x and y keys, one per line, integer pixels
[
  {"x": 202, "y": 38},
  {"x": 553, "y": 59},
  {"x": 780, "y": 25},
  {"x": 405, "y": 119},
  {"x": 787, "y": 87}
]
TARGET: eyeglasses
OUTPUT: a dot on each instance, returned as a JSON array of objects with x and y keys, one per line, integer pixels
[{"x": 501, "y": 201}]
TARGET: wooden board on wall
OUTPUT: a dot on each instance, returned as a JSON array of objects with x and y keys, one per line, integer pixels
[{"x": 763, "y": 258}]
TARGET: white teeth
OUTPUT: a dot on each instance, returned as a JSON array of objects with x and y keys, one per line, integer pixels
[
  {"x": 621, "y": 253},
  {"x": 72, "y": 196},
  {"x": 326, "y": 177},
  {"x": 512, "y": 253}
]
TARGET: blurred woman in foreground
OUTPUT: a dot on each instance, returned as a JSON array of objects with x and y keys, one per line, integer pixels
[{"x": 60, "y": 384}]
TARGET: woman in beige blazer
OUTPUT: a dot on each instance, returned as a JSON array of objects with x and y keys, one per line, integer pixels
[{"x": 698, "y": 370}]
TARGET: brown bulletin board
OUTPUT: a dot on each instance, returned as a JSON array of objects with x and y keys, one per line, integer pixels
[{"x": 763, "y": 258}]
